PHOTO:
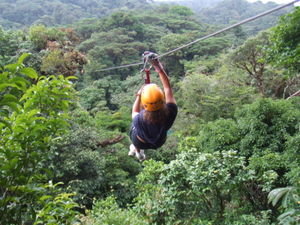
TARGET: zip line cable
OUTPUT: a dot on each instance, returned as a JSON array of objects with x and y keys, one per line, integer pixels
[
  {"x": 230, "y": 27},
  {"x": 119, "y": 67},
  {"x": 206, "y": 37}
]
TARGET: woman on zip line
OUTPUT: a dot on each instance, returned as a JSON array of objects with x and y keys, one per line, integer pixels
[{"x": 150, "y": 125}]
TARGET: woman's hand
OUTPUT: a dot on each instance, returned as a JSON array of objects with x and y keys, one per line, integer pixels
[
  {"x": 139, "y": 91},
  {"x": 153, "y": 59}
]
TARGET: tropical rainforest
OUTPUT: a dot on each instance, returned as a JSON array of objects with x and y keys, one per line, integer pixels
[{"x": 231, "y": 158}]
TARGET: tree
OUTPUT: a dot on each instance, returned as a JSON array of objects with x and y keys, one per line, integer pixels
[
  {"x": 107, "y": 212},
  {"x": 9, "y": 44},
  {"x": 250, "y": 57},
  {"x": 284, "y": 50},
  {"x": 211, "y": 97},
  {"x": 116, "y": 47},
  {"x": 286, "y": 42},
  {"x": 32, "y": 115},
  {"x": 91, "y": 158},
  {"x": 195, "y": 188},
  {"x": 262, "y": 134},
  {"x": 39, "y": 35},
  {"x": 18, "y": 14},
  {"x": 232, "y": 11},
  {"x": 65, "y": 62}
]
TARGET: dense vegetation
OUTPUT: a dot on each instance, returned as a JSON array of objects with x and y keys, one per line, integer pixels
[
  {"x": 18, "y": 13},
  {"x": 233, "y": 11},
  {"x": 196, "y": 5},
  {"x": 232, "y": 157}
]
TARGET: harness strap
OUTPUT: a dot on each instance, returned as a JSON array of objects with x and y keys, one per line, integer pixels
[{"x": 147, "y": 78}]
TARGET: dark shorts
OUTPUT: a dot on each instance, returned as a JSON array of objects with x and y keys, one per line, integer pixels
[{"x": 141, "y": 145}]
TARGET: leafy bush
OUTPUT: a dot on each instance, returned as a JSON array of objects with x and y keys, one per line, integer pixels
[
  {"x": 32, "y": 114},
  {"x": 91, "y": 158},
  {"x": 218, "y": 178},
  {"x": 58, "y": 208},
  {"x": 107, "y": 212}
]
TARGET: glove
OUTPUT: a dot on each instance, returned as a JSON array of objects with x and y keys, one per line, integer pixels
[{"x": 153, "y": 59}]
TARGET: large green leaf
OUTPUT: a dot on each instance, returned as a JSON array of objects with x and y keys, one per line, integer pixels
[
  {"x": 8, "y": 98},
  {"x": 4, "y": 112},
  {"x": 277, "y": 194},
  {"x": 3, "y": 86},
  {"x": 12, "y": 67},
  {"x": 7, "y": 124},
  {"x": 23, "y": 57},
  {"x": 20, "y": 82},
  {"x": 30, "y": 72}
]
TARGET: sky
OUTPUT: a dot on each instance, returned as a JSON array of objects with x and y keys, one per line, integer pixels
[{"x": 277, "y": 1}]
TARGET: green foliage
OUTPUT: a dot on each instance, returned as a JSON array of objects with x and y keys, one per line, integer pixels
[
  {"x": 91, "y": 159},
  {"x": 21, "y": 13},
  {"x": 211, "y": 97},
  {"x": 260, "y": 132},
  {"x": 229, "y": 156},
  {"x": 170, "y": 42},
  {"x": 149, "y": 200},
  {"x": 9, "y": 44},
  {"x": 292, "y": 159},
  {"x": 214, "y": 136},
  {"x": 122, "y": 38},
  {"x": 12, "y": 85},
  {"x": 266, "y": 133},
  {"x": 261, "y": 218},
  {"x": 289, "y": 197},
  {"x": 233, "y": 11},
  {"x": 99, "y": 95},
  {"x": 253, "y": 58},
  {"x": 286, "y": 42},
  {"x": 86, "y": 27},
  {"x": 210, "y": 47},
  {"x": 179, "y": 20},
  {"x": 39, "y": 35},
  {"x": 93, "y": 99},
  {"x": 115, "y": 47},
  {"x": 266, "y": 125},
  {"x": 107, "y": 212},
  {"x": 119, "y": 120},
  {"x": 194, "y": 186},
  {"x": 250, "y": 57},
  {"x": 181, "y": 11},
  {"x": 52, "y": 61},
  {"x": 32, "y": 115},
  {"x": 57, "y": 208}
]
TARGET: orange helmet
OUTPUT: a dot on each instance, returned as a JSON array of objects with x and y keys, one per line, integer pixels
[{"x": 152, "y": 97}]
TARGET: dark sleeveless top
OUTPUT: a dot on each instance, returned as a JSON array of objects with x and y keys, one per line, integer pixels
[{"x": 154, "y": 134}]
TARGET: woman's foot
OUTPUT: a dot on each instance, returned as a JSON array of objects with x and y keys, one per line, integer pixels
[
  {"x": 140, "y": 155},
  {"x": 131, "y": 150}
]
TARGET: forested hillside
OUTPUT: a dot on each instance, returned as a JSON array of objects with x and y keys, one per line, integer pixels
[
  {"x": 18, "y": 13},
  {"x": 196, "y": 5},
  {"x": 233, "y": 11},
  {"x": 226, "y": 12},
  {"x": 231, "y": 158}
]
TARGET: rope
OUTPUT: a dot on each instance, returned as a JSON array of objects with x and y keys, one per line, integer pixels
[{"x": 207, "y": 36}]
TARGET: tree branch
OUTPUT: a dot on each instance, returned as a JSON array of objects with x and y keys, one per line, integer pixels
[
  {"x": 297, "y": 93},
  {"x": 110, "y": 141}
]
